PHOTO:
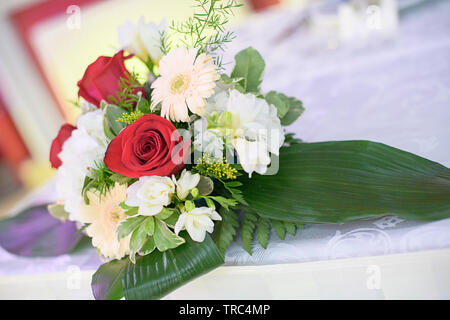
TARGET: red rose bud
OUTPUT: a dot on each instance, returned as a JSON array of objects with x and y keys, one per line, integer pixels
[
  {"x": 101, "y": 79},
  {"x": 149, "y": 146},
  {"x": 64, "y": 133}
]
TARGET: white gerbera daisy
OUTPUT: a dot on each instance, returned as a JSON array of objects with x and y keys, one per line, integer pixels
[
  {"x": 185, "y": 82},
  {"x": 103, "y": 215}
]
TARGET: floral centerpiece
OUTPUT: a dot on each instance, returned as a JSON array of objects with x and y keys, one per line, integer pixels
[{"x": 162, "y": 173}]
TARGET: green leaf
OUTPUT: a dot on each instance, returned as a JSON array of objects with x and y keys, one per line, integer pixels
[
  {"x": 339, "y": 181},
  {"x": 128, "y": 226},
  {"x": 165, "y": 213},
  {"x": 107, "y": 280},
  {"x": 224, "y": 202},
  {"x": 108, "y": 133},
  {"x": 157, "y": 274},
  {"x": 225, "y": 230},
  {"x": 295, "y": 110},
  {"x": 129, "y": 211},
  {"x": 263, "y": 232},
  {"x": 117, "y": 177},
  {"x": 205, "y": 186},
  {"x": 112, "y": 113},
  {"x": 290, "y": 228},
  {"x": 280, "y": 101},
  {"x": 149, "y": 225},
  {"x": 164, "y": 238},
  {"x": 172, "y": 220},
  {"x": 248, "y": 228},
  {"x": 143, "y": 106},
  {"x": 138, "y": 238},
  {"x": 278, "y": 226},
  {"x": 148, "y": 247},
  {"x": 250, "y": 66},
  {"x": 57, "y": 211}
]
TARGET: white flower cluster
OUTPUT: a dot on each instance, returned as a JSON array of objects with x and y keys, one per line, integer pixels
[
  {"x": 246, "y": 123},
  {"x": 86, "y": 146},
  {"x": 151, "y": 194}
]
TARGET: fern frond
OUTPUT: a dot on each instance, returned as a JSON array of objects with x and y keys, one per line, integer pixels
[
  {"x": 226, "y": 230},
  {"x": 248, "y": 228},
  {"x": 263, "y": 232}
]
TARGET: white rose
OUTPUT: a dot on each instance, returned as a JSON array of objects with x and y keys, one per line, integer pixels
[
  {"x": 197, "y": 222},
  {"x": 150, "y": 194},
  {"x": 143, "y": 39},
  {"x": 186, "y": 183}
]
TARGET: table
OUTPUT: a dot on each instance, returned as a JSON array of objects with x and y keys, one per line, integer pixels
[{"x": 395, "y": 91}]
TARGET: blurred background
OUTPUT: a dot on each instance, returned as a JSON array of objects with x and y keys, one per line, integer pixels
[{"x": 46, "y": 45}]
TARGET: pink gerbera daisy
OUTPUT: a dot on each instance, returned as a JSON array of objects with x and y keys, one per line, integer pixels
[{"x": 186, "y": 81}]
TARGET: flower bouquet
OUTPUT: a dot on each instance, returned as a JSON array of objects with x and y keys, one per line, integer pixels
[{"x": 162, "y": 172}]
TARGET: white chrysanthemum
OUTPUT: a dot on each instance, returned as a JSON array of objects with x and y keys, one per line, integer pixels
[
  {"x": 103, "y": 215},
  {"x": 143, "y": 39},
  {"x": 186, "y": 183},
  {"x": 86, "y": 145},
  {"x": 185, "y": 82},
  {"x": 150, "y": 194},
  {"x": 197, "y": 222},
  {"x": 250, "y": 125}
]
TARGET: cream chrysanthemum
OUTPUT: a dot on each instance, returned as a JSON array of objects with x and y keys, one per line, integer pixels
[
  {"x": 185, "y": 82},
  {"x": 103, "y": 215}
]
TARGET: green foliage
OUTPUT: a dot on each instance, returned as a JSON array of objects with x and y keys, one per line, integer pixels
[
  {"x": 263, "y": 232},
  {"x": 236, "y": 194},
  {"x": 137, "y": 240},
  {"x": 155, "y": 275},
  {"x": 248, "y": 228},
  {"x": 290, "y": 139},
  {"x": 225, "y": 230},
  {"x": 112, "y": 115},
  {"x": 129, "y": 211},
  {"x": 290, "y": 227},
  {"x": 288, "y": 108},
  {"x": 100, "y": 180},
  {"x": 164, "y": 238},
  {"x": 278, "y": 226},
  {"x": 205, "y": 30},
  {"x": 250, "y": 67},
  {"x": 126, "y": 99},
  {"x": 107, "y": 280},
  {"x": 225, "y": 203},
  {"x": 340, "y": 181},
  {"x": 128, "y": 226},
  {"x": 120, "y": 179}
]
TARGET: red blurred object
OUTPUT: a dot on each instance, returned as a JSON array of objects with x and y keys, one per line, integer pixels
[
  {"x": 12, "y": 148},
  {"x": 259, "y": 5}
]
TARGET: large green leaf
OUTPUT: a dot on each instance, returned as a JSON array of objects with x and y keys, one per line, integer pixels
[
  {"x": 107, "y": 280},
  {"x": 155, "y": 275},
  {"x": 250, "y": 67},
  {"x": 347, "y": 180}
]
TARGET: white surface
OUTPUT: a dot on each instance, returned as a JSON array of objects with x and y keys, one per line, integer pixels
[
  {"x": 422, "y": 275},
  {"x": 396, "y": 92}
]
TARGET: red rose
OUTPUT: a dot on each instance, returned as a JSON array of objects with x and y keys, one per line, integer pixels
[
  {"x": 150, "y": 146},
  {"x": 102, "y": 77},
  {"x": 64, "y": 133}
]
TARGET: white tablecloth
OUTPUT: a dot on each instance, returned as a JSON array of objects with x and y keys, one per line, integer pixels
[{"x": 393, "y": 91}]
